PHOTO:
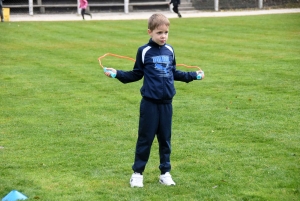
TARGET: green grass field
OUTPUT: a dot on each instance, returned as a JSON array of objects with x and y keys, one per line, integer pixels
[{"x": 67, "y": 132}]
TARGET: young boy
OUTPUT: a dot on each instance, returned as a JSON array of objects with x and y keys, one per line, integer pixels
[{"x": 155, "y": 62}]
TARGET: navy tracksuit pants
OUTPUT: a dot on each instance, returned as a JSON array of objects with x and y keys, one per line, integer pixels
[{"x": 155, "y": 119}]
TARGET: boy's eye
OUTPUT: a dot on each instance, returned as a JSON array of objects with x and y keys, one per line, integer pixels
[{"x": 161, "y": 32}]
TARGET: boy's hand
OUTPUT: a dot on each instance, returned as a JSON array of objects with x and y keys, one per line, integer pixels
[
  {"x": 110, "y": 72},
  {"x": 200, "y": 74}
]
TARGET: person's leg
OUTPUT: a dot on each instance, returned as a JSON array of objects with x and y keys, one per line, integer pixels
[
  {"x": 88, "y": 14},
  {"x": 147, "y": 129},
  {"x": 164, "y": 139},
  {"x": 1, "y": 13},
  {"x": 179, "y": 15},
  {"x": 164, "y": 136},
  {"x": 85, "y": 13},
  {"x": 82, "y": 12},
  {"x": 175, "y": 9}
]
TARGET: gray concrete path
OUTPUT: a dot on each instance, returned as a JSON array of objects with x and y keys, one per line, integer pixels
[{"x": 146, "y": 15}]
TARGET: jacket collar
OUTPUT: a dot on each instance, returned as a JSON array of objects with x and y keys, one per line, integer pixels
[{"x": 154, "y": 44}]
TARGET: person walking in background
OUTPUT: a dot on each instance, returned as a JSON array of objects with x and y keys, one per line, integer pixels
[
  {"x": 83, "y": 5},
  {"x": 175, "y": 6},
  {"x": 1, "y": 11}
]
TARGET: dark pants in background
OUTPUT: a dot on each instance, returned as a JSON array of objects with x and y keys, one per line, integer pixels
[
  {"x": 1, "y": 12},
  {"x": 175, "y": 9},
  {"x": 84, "y": 13}
]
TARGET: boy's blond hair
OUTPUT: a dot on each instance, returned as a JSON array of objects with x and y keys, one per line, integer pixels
[{"x": 157, "y": 20}]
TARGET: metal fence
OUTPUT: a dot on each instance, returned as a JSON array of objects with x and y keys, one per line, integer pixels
[
  {"x": 71, "y": 6},
  {"x": 244, "y": 4}
]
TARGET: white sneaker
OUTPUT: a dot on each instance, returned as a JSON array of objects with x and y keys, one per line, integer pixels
[
  {"x": 136, "y": 180},
  {"x": 166, "y": 179}
]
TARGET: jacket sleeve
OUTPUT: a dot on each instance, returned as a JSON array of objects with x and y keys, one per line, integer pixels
[
  {"x": 134, "y": 75},
  {"x": 183, "y": 76}
]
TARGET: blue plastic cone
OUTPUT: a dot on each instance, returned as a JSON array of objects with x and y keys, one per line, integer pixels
[{"x": 14, "y": 196}]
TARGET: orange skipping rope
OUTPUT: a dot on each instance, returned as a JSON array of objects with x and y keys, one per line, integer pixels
[{"x": 128, "y": 58}]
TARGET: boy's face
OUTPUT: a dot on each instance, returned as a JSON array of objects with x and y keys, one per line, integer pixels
[{"x": 160, "y": 34}]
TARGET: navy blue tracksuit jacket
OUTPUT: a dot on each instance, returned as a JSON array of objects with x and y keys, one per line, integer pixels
[{"x": 157, "y": 65}]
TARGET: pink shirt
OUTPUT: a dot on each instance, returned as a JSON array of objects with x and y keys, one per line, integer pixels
[{"x": 83, "y": 4}]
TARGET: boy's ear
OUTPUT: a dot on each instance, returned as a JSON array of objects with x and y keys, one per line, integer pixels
[{"x": 149, "y": 31}]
